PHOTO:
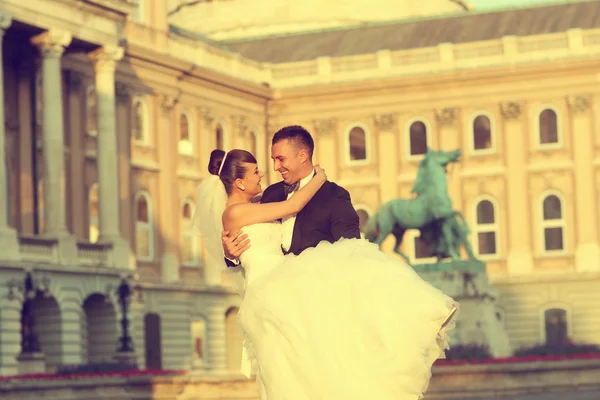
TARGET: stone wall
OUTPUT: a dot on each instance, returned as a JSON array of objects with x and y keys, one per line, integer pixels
[{"x": 448, "y": 382}]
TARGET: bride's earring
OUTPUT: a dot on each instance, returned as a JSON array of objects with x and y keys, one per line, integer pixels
[{"x": 243, "y": 188}]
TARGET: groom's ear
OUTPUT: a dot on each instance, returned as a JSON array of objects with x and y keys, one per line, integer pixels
[{"x": 303, "y": 154}]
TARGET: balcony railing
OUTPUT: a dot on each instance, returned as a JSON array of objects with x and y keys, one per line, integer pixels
[
  {"x": 48, "y": 250},
  {"x": 443, "y": 57}
]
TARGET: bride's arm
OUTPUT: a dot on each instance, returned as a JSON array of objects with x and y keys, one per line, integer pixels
[{"x": 241, "y": 215}]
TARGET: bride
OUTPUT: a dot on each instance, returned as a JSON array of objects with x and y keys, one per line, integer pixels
[{"x": 339, "y": 321}]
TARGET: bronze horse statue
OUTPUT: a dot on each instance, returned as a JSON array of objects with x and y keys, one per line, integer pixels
[{"x": 430, "y": 211}]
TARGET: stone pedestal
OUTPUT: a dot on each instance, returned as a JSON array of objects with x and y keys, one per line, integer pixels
[
  {"x": 120, "y": 253},
  {"x": 31, "y": 363},
  {"x": 198, "y": 367},
  {"x": 125, "y": 357},
  {"x": 478, "y": 319},
  {"x": 9, "y": 243}
]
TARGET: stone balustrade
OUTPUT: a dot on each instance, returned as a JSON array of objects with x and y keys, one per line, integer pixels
[
  {"x": 508, "y": 50},
  {"x": 43, "y": 249},
  {"x": 448, "y": 382}
]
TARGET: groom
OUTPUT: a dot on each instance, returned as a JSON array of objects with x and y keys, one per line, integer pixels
[{"x": 329, "y": 215}]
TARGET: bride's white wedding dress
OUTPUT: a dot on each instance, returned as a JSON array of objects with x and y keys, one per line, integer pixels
[{"x": 340, "y": 321}]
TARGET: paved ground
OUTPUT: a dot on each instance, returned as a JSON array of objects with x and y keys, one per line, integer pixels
[{"x": 574, "y": 395}]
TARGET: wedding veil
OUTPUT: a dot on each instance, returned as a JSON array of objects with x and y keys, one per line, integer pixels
[{"x": 208, "y": 223}]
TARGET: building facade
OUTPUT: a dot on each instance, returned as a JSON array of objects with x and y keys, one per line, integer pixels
[{"x": 108, "y": 119}]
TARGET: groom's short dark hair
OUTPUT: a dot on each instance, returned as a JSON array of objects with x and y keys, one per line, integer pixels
[{"x": 298, "y": 137}]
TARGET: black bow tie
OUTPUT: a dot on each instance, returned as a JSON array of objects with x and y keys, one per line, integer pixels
[{"x": 287, "y": 188}]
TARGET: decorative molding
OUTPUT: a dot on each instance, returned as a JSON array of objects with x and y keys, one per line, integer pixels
[
  {"x": 241, "y": 123},
  {"x": 167, "y": 103},
  {"x": 579, "y": 103},
  {"x": 52, "y": 43},
  {"x": 385, "y": 122},
  {"x": 207, "y": 116},
  {"x": 510, "y": 110},
  {"x": 325, "y": 126},
  {"x": 446, "y": 116}
]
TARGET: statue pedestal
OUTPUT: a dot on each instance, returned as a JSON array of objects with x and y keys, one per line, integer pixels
[
  {"x": 31, "y": 363},
  {"x": 125, "y": 357},
  {"x": 478, "y": 319}
]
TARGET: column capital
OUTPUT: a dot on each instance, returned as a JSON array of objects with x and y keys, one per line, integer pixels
[
  {"x": 53, "y": 42},
  {"x": 580, "y": 103},
  {"x": 325, "y": 126},
  {"x": 385, "y": 122},
  {"x": 446, "y": 116},
  {"x": 106, "y": 57},
  {"x": 510, "y": 110},
  {"x": 5, "y": 22}
]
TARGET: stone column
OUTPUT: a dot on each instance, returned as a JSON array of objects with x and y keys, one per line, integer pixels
[
  {"x": 327, "y": 148},
  {"x": 79, "y": 206},
  {"x": 8, "y": 235},
  {"x": 105, "y": 61},
  {"x": 388, "y": 165},
  {"x": 71, "y": 313},
  {"x": 587, "y": 252},
  {"x": 169, "y": 199},
  {"x": 449, "y": 139},
  {"x": 52, "y": 44},
  {"x": 519, "y": 260},
  {"x": 217, "y": 350}
]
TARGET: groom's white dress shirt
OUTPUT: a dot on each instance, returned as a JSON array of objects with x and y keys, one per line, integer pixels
[{"x": 287, "y": 223}]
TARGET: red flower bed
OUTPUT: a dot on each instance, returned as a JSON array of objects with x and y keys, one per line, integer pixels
[
  {"x": 516, "y": 359},
  {"x": 55, "y": 377}
]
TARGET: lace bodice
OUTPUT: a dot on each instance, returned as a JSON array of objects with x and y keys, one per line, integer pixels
[{"x": 265, "y": 252}]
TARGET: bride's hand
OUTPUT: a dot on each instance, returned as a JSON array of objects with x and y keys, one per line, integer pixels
[{"x": 320, "y": 172}]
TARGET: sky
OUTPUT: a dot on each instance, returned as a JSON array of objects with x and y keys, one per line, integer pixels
[{"x": 491, "y": 4}]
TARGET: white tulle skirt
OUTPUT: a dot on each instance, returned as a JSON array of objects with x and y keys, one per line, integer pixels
[{"x": 344, "y": 321}]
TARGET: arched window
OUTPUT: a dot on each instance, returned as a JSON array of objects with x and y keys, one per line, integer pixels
[
  {"x": 144, "y": 229},
  {"x": 548, "y": 127},
  {"x": 198, "y": 328},
  {"x": 553, "y": 223},
  {"x": 219, "y": 137},
  {"x": 190, "y": 242},
  {"x": 418, "y": 138},
  {"x": 486, "y": 228},
  {"x": 140, "y": 123},
  {"x": 252, "y": 143},
  {"x": 482, "y": 133},
  {"x": 91, "y": 111},
  {"x": 357, "y": 144},
  {"x": 556, "y": 326},
  {"x": 185, "y": 133},
  {"x": 94, "y": 227}
]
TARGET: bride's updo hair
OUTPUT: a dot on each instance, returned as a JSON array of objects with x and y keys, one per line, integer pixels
[
  {"x": 233, "y": 167},
  {"x": 216, "y": 158}
]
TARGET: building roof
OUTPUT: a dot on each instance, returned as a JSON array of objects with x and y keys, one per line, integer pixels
[{"x": 404, "y": 35}]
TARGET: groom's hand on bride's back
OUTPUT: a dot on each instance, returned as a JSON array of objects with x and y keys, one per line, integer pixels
[{"x": 234, "y": 244}]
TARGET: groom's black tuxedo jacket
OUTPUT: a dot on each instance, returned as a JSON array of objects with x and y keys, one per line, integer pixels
[{"x": 329, "y": 216}]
